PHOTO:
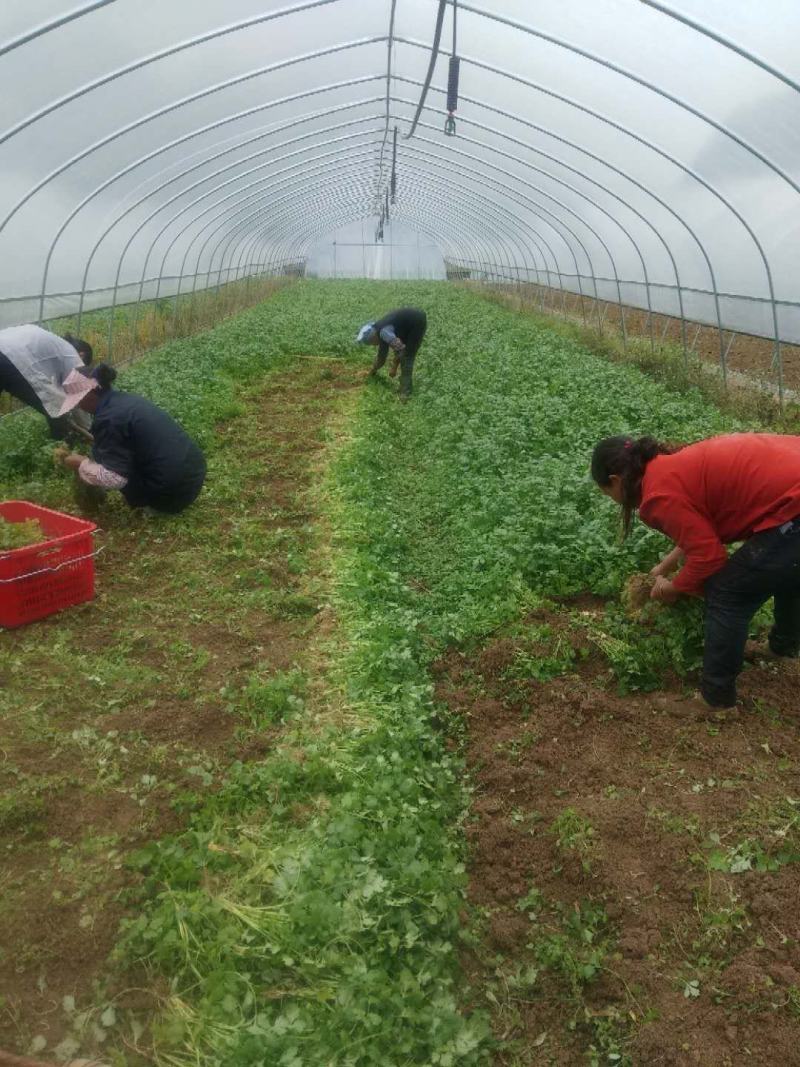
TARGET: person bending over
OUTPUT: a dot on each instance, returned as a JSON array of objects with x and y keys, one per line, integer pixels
[
  {"x": 401, "y": 330},
  {"x": 736, "y": 487},
  {"x": 138, "y": 448},
  {"x": 34, "y": 364}
]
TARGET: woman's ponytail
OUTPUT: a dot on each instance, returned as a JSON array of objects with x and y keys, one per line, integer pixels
[
  {"x": 627, "y": 458},
  {"x": 104, "y": 375}
]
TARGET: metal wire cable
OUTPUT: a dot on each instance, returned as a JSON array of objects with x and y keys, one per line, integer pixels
[
  {"x": 437, "y": 37},
  {"x": 390, "y": 44}
]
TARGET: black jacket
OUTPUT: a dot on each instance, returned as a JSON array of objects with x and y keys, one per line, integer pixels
[
  {"x": 134, "y": 438},
  {"x": 409, "y": 324}
]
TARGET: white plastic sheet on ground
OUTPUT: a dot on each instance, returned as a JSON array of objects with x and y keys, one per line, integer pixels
[{"x": 644, "y": 151}]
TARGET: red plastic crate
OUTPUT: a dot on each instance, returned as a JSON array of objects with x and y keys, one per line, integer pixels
[{"x": 40, "y": 579}]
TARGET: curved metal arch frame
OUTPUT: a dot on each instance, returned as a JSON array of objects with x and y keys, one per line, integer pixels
[
  {"x": 621, "y": 71},
  {"x": 164, "y": 204},
  {"x": 161, "y": 207},
  {"x": 694, "y": 175},
  {"x": 154, "y": 57},
  {"x": 610, "y": 191},
  {"x": 47, "y": 27},
  {"x": 437, "y": 212},
  {"x": 224, "y": 30},
  {"x": 311, "y": 233},
  {"x": 551, "y": 39},
  {"x": 571, "y": 211},
  {"x": 726, "y": 42},
  {"x": 584, "y": 151},
  {"x": 183, "y": 192},
  {"x": 314, "y": 196},
  {"x": 250, "y": 243},
  {"x": 304, "y": 163},
  {"x": 561, "y": 222},
  {"x": 176, "y": 105},
  {"x": 709, "y": 186},
  {"x": 665, "y": 94},
  {"x": 423, "y": 225},
  {"x": 362, "y": 119},
  {"x": 457, "y": 172},
  {"x": 498, "y": 213},
  {"x": 644, "y": 266},
  {"x": 234, "y": 147},
  {"x": 346, "y": 216},
  {"x": 204, "y": 162},
  {"x": 440, "y": 237}
]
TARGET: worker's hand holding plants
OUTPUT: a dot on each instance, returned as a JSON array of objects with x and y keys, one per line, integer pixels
[
  {"x": 71, "y": 460},
  {"x": 664, "y": 590},
  {"x": 59, "y": 454},
  {"x": 668, "y": 564}
]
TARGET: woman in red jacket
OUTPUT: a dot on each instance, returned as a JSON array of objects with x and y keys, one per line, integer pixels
[{"x": 738, "y": 487}]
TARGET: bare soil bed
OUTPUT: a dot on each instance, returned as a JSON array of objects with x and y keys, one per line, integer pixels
[
  {"x": 633, "y": 865},
  {"x": 116, "y": 714}
]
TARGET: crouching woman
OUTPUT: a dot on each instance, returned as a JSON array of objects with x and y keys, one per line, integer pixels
[
  {"x": 736, "y": 487},
  {"x": 138, "y": 448}
]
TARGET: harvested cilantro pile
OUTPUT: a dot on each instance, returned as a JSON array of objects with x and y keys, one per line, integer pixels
[{"x": 19, "y": 534}]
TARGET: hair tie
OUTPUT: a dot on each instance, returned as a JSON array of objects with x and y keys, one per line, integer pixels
[{"x": 627, "y": 444}]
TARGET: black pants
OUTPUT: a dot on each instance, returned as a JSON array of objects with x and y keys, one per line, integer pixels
[
  {"x": 407, "y": 358},
  {"x": 768, "y": 565},
  {"x": 178, "y": 497},
  {"x": 11, "y": 381}
]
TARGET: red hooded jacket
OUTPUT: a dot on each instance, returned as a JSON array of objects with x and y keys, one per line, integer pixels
[{"x": 718, "y": 491}]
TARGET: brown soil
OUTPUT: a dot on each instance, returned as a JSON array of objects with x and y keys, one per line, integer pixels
[
  {"x": 164, "y": 720},
  {"x": 652, "y": 777}
]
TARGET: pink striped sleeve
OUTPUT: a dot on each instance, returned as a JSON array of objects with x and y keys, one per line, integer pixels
[{"x": 96, "y": 474}]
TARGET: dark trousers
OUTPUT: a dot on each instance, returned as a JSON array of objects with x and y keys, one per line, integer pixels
[
  {"x": 11, "y": 381},
  {"x": 407, "y": 358},
  {"x": 768, "y": 565},
  {"x": 178, "y": 497}
]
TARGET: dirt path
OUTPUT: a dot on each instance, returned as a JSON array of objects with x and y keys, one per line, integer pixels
[
  {"x": 634, "y": 868},
  {"x": 116, "y": 717}
]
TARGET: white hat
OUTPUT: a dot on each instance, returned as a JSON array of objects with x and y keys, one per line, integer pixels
[
  {"x": 363, "y": 334},
  {"x": 76, "y": 386}
]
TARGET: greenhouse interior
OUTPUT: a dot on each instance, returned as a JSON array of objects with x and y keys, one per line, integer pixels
[{"x": 399, "y": 533}]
